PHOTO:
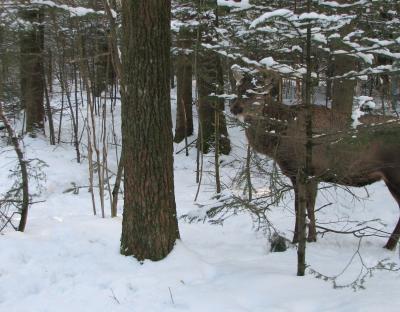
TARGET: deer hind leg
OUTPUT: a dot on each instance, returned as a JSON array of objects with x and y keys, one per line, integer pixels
[
  {"x": 393, "y": 185},
  {"x": 312, "y": 187},
  {"x": 311, "y": 194}
]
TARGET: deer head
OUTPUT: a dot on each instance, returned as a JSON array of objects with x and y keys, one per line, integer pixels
[{"x": 255, "y": 91}]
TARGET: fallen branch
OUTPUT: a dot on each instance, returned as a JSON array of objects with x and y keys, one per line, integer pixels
[{"x": 359, "y": 233}]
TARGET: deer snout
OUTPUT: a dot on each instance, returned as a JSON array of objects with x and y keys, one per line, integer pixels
[{"x": 236, "y": 108}]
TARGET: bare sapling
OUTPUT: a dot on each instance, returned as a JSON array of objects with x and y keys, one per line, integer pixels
[{"x": 24, "y": 172}]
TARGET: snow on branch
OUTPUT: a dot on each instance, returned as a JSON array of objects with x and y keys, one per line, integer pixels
[
  {"x": 74, "y": 11},
  {"x": 283, "y": 69},
  {"x": 363, "y": 74},
  {"x": 284, "y": 13},
  {"x": 334, "y": 4},
  {"x": 291, "y": 17},
  {"x": 239, "y": 4}
]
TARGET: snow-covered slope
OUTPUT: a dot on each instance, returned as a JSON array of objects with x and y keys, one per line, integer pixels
[{"x": 68, "y": 259}]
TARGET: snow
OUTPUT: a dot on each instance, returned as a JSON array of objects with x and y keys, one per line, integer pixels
[
  {"x": 355, "y": 115},
  {"x": 74, "y": 11},
  {"x": 319, "y": 38},
  {"x": 268, "y": 15},
  {"x": 268, "y": 62},
  {"x": 366, "y": 57},
  {"x": 334, "y": 4},
  {"x": 68, "y": 259},
  {"x": 283, "y": 69},
  {"x": 243, "y": 4},
  {"x": 295, "y": 19}
]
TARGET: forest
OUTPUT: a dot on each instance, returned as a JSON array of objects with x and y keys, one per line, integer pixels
[{"x": 208, "y": 155}]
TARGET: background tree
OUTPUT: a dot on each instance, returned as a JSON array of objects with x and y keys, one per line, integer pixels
[
  {"x": 184, "y": 40},
  {"x": 210, "y": 81},
  {"x": 32, "y": 74}
]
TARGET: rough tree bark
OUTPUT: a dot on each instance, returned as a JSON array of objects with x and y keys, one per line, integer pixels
[
  {"x": 149, "y": 226},
  {"x": 343, "y": 89}
]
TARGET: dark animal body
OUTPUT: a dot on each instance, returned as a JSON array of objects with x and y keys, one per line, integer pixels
[{"x": 341, "y": 154}]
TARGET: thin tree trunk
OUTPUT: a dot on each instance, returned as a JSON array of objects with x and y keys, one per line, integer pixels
[
  {"x": 65, "y": 88},
  {"x": 91, "y": 169},
  {"x": 61, "y": 117},
  {"x": 305, "y": 173},
  {"x": 24, "y": 171},
  {"x": 92, "y": 121},
  {"x": 248, "y": 172},
  {"x": 49, "y": 116},
  {"x": 50, "y": 71},
  {"x": 117, "y": 184},
  {"x": 216, "y": 154},
  {"x": 91, "y": 106}
]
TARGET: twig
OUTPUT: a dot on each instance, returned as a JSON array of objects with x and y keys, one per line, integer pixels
[
  {"x": 170, "y": 294},
  {"x": 357, "y": 232},
  {"x": 186, "y": 146},
  {"x": 365, "y": 271},
  {"x": 114, "y": 297}
]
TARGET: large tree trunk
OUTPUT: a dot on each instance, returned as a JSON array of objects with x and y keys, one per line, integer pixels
[
  {"x": 343, "y": 89},
  {"x": 184, "y": 116},
  {"x": 32, "y": 75},
  {"x": 149, "y": 226}
]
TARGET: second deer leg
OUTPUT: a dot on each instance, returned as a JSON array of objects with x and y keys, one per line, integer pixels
[{"x": 393, "y": 185}]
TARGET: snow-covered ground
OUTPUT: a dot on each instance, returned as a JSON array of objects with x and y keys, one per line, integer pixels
[{"x": 68, "y": 259}]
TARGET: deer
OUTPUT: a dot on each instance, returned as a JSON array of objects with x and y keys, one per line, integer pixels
[{"x": 350, "y": 156}]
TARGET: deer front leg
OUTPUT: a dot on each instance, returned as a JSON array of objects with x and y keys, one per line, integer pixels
[
  {"x": 394, "y": 238},
  {"x": 311, "y": 194}
]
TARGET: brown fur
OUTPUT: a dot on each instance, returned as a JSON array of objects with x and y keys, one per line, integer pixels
[{"x": 341, "y": 154}]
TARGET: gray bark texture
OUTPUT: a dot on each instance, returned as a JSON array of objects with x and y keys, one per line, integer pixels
[{"x": 149, "y": 226}]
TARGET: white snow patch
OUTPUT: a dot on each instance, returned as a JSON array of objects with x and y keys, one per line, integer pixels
[
  {"x": 268, "y": 15},
  {"x": 243, "y": 4}
]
